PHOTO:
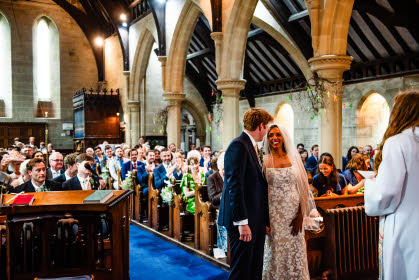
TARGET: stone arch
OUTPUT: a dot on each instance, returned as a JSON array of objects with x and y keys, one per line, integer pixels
[
  {"x": 263, "y": 18},
  {"x": 140, "y": 63},
  {"x": 176, "y": 61},
  {"x": 235, "y": 39},
  {"x": 284, "y": 115},
  {"x": 373, "y": 114}
]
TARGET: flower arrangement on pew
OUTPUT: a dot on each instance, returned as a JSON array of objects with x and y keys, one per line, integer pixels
[
  {"x": 128, "y": 183},
  {"x": 105, "y": 174},
  {"x": 4, "y": 189},
  {"x": 167, "y": 192}
]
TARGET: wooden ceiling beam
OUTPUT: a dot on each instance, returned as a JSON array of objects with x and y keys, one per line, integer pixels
[
  {"x": 364, "y": 39},
  {"x": 198, "y": 53}
]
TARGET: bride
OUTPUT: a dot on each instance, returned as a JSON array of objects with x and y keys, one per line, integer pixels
[{"x": 289, "y": 206}]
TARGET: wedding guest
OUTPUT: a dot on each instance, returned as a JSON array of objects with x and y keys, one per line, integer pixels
[
  {"x": 109, "y": 156},
  {"x": 393, "y": 194},
  {"x": 166, "y": 170},
  {"x": 312, "y": 160},
  {"x": 368, "y": 152},
  {"x": 215, "y": 189},
  {"x": 172, "y": 149},
  {"x": 39, "y": 182},
  {"x": 144, "y": 170},
  {"x": 189, "y": 181},
  {"x": 206, "y": 159},
  {"x": 354, "y": 179},
  {"x": 32, "y": 142},
  {"x": 300, "y": 147},
  {"x": 328, "y": 181},
  {"x": 115, "y": 165},
  {"x": 100, "y": 159},
  {"x": 50, "y": 148},
  {"x": 90, "y": 152},
  {"x": 157, "y": 157},
  {"x": 56, "y": 162},
  {"x": 38, "y": 154},
  {"x": 71, "y": 169},
  {"x": 42, "y": 148},
  {"x": 141, "y": 154},
  {"x": 351, "y": 152},
  {"x": 27, "y": 151},
  {"x": 213, "y": 165},
  {"x": 84, "y": 179},
  {"x": 25, "y": 174},
  {"x": 132, "y": 164},
  {"x": 304, "y": 155}
]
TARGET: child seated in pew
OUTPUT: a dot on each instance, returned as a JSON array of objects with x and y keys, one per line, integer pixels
[
  {"x": 189, "y": 180},
  {"x": 355, "y": 180},
  {"x": 328, "y": 181}
]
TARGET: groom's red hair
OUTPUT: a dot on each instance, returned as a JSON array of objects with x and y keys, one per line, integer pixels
[{"x": 254, "y": 117}]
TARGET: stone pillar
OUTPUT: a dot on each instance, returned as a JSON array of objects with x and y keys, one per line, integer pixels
[
  {"x": 133, "y": 122},
  {"x": 231, "y": 94},
  {"x": 174, "y": 101},
  {"x": 193, "y": 136},
  {"x": 218, "y": 40},
  {"x": 186, "y": 139},
  {"x": 126, "y": 97},
  {"x": 331, "y": 68}
]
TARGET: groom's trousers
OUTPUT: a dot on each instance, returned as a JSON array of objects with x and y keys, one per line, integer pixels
[{"x": 246, "y": 257}]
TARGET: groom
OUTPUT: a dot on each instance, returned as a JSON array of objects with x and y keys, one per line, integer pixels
[{"x": 244, "y": 203}]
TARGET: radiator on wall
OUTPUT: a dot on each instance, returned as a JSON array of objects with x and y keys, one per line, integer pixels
[{"x": 352, "y": 241}]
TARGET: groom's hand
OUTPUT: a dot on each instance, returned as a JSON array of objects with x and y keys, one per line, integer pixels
[
  {"x": 245, "y": 233},
  {"x": 297, "y": 224}
]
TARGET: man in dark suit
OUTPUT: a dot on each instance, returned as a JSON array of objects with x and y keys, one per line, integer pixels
[
  {"x": 71, "y": 169},
  {"x": 84, "y": 180},
  {"x": 244, "y": 202},
  {"x": 311, "y": 163},
  {"x": 165, "y": 170},
  {"x": 37, "y": 171},
  {"x": 56, "y": 162},
  {"x": 133, "y": 154}
]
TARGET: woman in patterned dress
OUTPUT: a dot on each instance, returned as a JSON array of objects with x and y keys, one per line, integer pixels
[{"x": 194, "y": 176}]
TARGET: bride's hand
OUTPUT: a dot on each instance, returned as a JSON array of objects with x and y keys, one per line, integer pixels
[{"x": 297, "y": 224}]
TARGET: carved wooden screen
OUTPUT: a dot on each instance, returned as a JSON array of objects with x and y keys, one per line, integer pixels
[{"x": 9, "y": 131}]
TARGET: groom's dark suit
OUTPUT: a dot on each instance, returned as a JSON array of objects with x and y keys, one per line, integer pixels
[{"x": 245, "y": 196}]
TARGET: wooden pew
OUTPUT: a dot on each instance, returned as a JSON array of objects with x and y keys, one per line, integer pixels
[
  {"x": 153, "y": 202},
  {"x": 179, "y": 214},
  {"x": 204, "y": 221},
  {"x": 176, "y": 191}
]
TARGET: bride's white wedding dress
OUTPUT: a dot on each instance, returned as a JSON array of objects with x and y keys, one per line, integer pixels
[{"x": 285, "y": 255}]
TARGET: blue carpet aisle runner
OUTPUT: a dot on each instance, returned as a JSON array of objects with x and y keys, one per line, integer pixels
[{"x": 153, "y": 258}]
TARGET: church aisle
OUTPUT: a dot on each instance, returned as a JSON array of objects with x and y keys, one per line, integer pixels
[{"x": 153, "y": 258}]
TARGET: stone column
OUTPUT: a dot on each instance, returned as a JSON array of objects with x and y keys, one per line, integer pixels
[
  {"x": 231, "y": 94},
  {"x": 218, "y": 40},
  {"x": 331, "y": 68},
  {"x": 133, "y": 122},
  {"x": 193, "y": 136},
  {"x": 186, "y": 139},
  {"x": 174, "y": 101}
]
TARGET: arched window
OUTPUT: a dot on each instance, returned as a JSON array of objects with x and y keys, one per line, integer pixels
[
  {"x": 372, "y": 120},
  {"x": 46, "y": 72},
  {"x": 285, "y": 116},
  {"x": 5, "y": 68}
]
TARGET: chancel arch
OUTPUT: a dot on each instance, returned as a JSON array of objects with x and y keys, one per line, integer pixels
[
  {"x": 372, "y": 119},
  {"x": 46, "y": 68},
  {"x": 5, "y": 68},
  {"x": 284, "y": 115}
]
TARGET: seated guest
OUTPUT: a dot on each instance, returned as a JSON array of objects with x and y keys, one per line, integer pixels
[
  {"x": 157, "y": 156},
  {"x": 304, "y": 155},
  {"x": 71, "y": 169},
  {"x": 38, "y": 154},
  {"x": 355, "y": 180},
  {"x": 141, "y": 154},
  {"x": 328, "y": 181},
  {"x": 39, "y": 182},
  {"x": 166, "y": 170},
  {"x": 206, "y": 159},
  {"x": 14, "y": 160},
  {"x": 133, "y": 164},
  {"x": 84, "y": 180},
  {"x": 25, "y": 174},
  {"x": 144, "y": 170},
  {"x": 108, "y": 157},
  {"x": 172, "y": 149},
  {"x": 32, "y": 142},
  {"x": 90, "y": 152},
  {"x": 100, "y": 159},
  {"x": 369, "y": 152},
  {"x": 42, "y": 148},
  {"x": 50, "y": 149},
  {"x": 351, "y": 152},
  {"x": 312, "y": 160},
  {"x": 115, "y": 165},
  {"x": 215, "y": 188},
  {"x": 213, "y": 164},
  {"x": 56, "y": 165},
  {"x": 27, "y": 151},
  {"x": 190, "y": 179}
]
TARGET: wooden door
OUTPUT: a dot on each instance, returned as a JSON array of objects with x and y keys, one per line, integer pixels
[{"x": 9, "y": 131}]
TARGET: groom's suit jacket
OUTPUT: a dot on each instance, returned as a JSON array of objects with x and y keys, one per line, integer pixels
[{"x": 245, "y": 192}]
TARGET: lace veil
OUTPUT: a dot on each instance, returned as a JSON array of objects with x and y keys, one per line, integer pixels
[{"x": 308, "y": 207}]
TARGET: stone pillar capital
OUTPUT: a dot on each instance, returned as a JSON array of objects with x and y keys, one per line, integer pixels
[
  {"x": 230, "y": 87},
  {"x": 217, "y": 36},
  {"x": 133, "y": 103},
  {"x": 173, "y": 98},
  {"x": 126, "y": 73},
  {"x": 330, "y": 66},
  {"x": 162, "y": 59}
]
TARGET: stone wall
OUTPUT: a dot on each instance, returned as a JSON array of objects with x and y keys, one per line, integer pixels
[
  {"x": 77, "y": 64},
  {"x": 306, "y": 128}
]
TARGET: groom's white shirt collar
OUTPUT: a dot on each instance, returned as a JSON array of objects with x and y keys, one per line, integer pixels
[{"x": 251, "y": 138}]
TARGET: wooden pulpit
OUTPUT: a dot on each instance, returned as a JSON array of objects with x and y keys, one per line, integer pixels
[{"x": 59, "y": 236}]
